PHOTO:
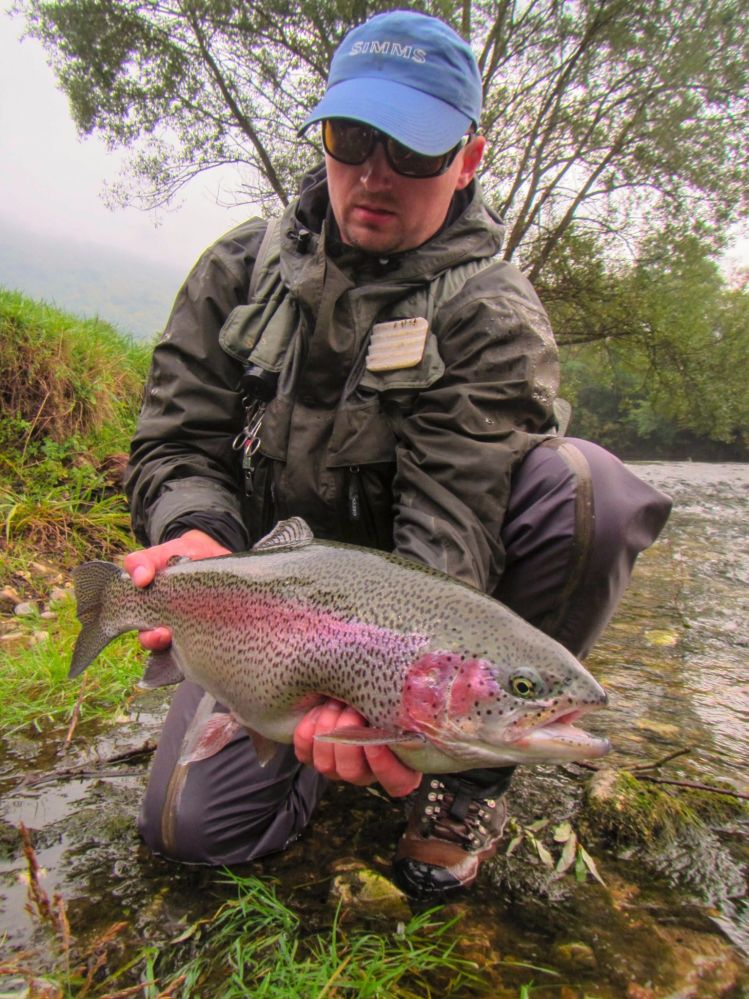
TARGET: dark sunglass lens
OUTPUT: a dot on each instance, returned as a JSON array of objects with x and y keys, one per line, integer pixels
[
  {"x": 347, "y": 141},
  {"x": 413, "y": 164}
]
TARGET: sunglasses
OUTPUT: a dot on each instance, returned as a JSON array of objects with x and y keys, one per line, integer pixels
[{"x": 352, "y": 142}]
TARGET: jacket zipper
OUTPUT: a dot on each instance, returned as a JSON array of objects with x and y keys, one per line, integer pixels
[{"x": 354, "y": 494}]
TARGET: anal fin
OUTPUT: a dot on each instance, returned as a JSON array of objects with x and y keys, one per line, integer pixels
[{"x": 265, "y": 748}]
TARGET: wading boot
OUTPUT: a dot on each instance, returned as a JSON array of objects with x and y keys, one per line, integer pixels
[{"x": 454, "y": 825}]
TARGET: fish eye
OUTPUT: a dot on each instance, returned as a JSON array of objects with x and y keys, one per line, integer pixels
[{"x": 525, "y": 685}]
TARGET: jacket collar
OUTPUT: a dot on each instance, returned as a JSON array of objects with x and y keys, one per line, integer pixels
[{"x": 472, "y": 230}]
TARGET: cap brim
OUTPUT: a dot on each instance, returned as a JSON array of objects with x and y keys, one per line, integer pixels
[{"x": 418, "y": 120}]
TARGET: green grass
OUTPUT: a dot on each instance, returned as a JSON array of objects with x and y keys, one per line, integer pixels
[
  {"x": 55, "y": 503},
  {"x": 62, "y": 375},
  {"x": 253, "y": 945},
  {"x": 34, "y": 687},
  {"x": 70, "y": 390},
  {"x": 256, "y": 946}
]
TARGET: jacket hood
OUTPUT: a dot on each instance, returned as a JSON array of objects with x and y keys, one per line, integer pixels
[{"x": 472, "y": 230}]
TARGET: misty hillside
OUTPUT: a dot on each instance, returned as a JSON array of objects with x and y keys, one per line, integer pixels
[{"x": 90, "y": 280}]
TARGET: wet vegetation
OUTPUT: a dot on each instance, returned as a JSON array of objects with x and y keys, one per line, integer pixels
[
  {"x": 70, "y": 390},
  {"x": 624, "y": 883},
  {"x": 34, "y": 687},
  {"x": 253, "y": 944}
]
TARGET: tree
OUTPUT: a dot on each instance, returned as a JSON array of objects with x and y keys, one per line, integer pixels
[
  {"x": 663, "y": 353},
  {"x": 612, "y": 117}
]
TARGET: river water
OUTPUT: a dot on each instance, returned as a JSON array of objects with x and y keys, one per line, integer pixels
[{"x": 675, "y": 661}]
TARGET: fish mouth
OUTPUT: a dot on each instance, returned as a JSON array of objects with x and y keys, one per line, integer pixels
[{"x": 561, "y": 739}]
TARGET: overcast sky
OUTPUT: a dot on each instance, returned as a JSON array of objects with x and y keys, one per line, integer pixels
[{"x": 52, "y": 181}]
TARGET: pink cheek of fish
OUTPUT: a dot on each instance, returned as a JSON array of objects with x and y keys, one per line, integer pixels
[{"x": 443, "y": 686}]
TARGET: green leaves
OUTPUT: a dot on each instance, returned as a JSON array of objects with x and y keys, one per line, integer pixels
[
  {"x": 657, "y": 351},
  {"x": 560, "y": 855}
]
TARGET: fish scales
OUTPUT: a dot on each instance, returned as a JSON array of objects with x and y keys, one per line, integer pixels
[{"x": 419, "y": 655}]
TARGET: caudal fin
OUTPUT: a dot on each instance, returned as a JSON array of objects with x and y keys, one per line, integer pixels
[{"x": 92, "y": 580}]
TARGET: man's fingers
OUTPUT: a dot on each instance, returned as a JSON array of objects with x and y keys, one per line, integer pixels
[
  {"x": 156, "y": 640},
  {"x": 354, "y": 764},
  {"x": 350, "y": 762},
  {"x": 304, "y": 735},
  {"x": 395, "y": 777},
  {"x": 143, "y": 565},
  {"x": 324, "y": 753},
  {"x": 333, "y": 760}
]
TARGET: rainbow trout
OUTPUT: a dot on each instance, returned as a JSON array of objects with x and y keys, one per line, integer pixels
[{"x": 446, "y": 676}]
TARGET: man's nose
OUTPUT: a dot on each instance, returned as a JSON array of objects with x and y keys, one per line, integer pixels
[{"x": 376, "y": 172}]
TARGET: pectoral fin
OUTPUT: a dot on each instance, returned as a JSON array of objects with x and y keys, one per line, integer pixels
[
  {"x": 362, "y": 735},
  {"x": 210, "y": 731},
  {"x": 214, "y": 733}
]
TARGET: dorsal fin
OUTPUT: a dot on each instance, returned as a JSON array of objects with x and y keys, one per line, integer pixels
[{"x": 291, "y": 533}]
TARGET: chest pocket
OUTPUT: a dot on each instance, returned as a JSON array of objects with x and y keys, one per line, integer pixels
[
  {"x": 260, "y": 331},
  {"x": 368, "y": 423},
  {"x": 405, "y": 380}
]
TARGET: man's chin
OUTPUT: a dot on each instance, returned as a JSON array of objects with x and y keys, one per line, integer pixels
[{"x": 372, "y": 240}]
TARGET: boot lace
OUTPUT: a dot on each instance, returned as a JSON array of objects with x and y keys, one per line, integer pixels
[{"x": 453, "y": 812}]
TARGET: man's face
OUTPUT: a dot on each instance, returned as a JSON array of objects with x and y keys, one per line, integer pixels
[{"x": 381, "y": 211}]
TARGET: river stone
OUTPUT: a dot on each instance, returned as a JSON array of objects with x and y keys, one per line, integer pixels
[
  {"x": 576, "y": 954},
  {"x": 46, "y": 570},
  {"x": 602, "y": 785},
  {"x": 368, "y": 893},
  {"x": 661, "y": 637},
  {"x": 26, "y": 609},
  {"x": 664, "y": 729},
  {"x": 474, "y": 941},
  {"x": 11, "y": 640},
  {"x": 9, "y": 597}
]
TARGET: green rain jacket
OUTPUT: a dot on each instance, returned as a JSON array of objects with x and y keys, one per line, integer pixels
[{"x": 417, "y": 460}]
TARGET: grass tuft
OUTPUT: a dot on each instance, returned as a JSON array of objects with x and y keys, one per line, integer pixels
[
  {"x": 70, "y": 391},
  {"x": 60, "y": 375},
  {"x": 256, "y": 945},
  {"x": 34, "y": 687}
]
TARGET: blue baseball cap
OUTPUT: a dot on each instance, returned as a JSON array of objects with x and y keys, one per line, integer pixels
[{"x": 408, "y": 75}]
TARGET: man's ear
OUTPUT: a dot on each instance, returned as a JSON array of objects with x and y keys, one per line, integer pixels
[{"x": 471, "y": 158}]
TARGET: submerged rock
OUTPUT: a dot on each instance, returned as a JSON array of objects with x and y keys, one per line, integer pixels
[
  {"x": 366, "y": 892},
  {"x": 575, "y": 955}
]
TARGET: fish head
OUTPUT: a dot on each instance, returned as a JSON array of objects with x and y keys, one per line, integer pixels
[{"x": 502, "y": 713}]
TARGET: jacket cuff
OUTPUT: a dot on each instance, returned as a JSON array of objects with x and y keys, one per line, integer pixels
[
  {"x": 185, "y": 496},
  {"x": 221, "y": 527}
]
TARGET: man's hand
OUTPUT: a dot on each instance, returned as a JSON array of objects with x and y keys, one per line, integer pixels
[
  {"x": 144, "y": 564},
  {"x": 360, "y": 765}
]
